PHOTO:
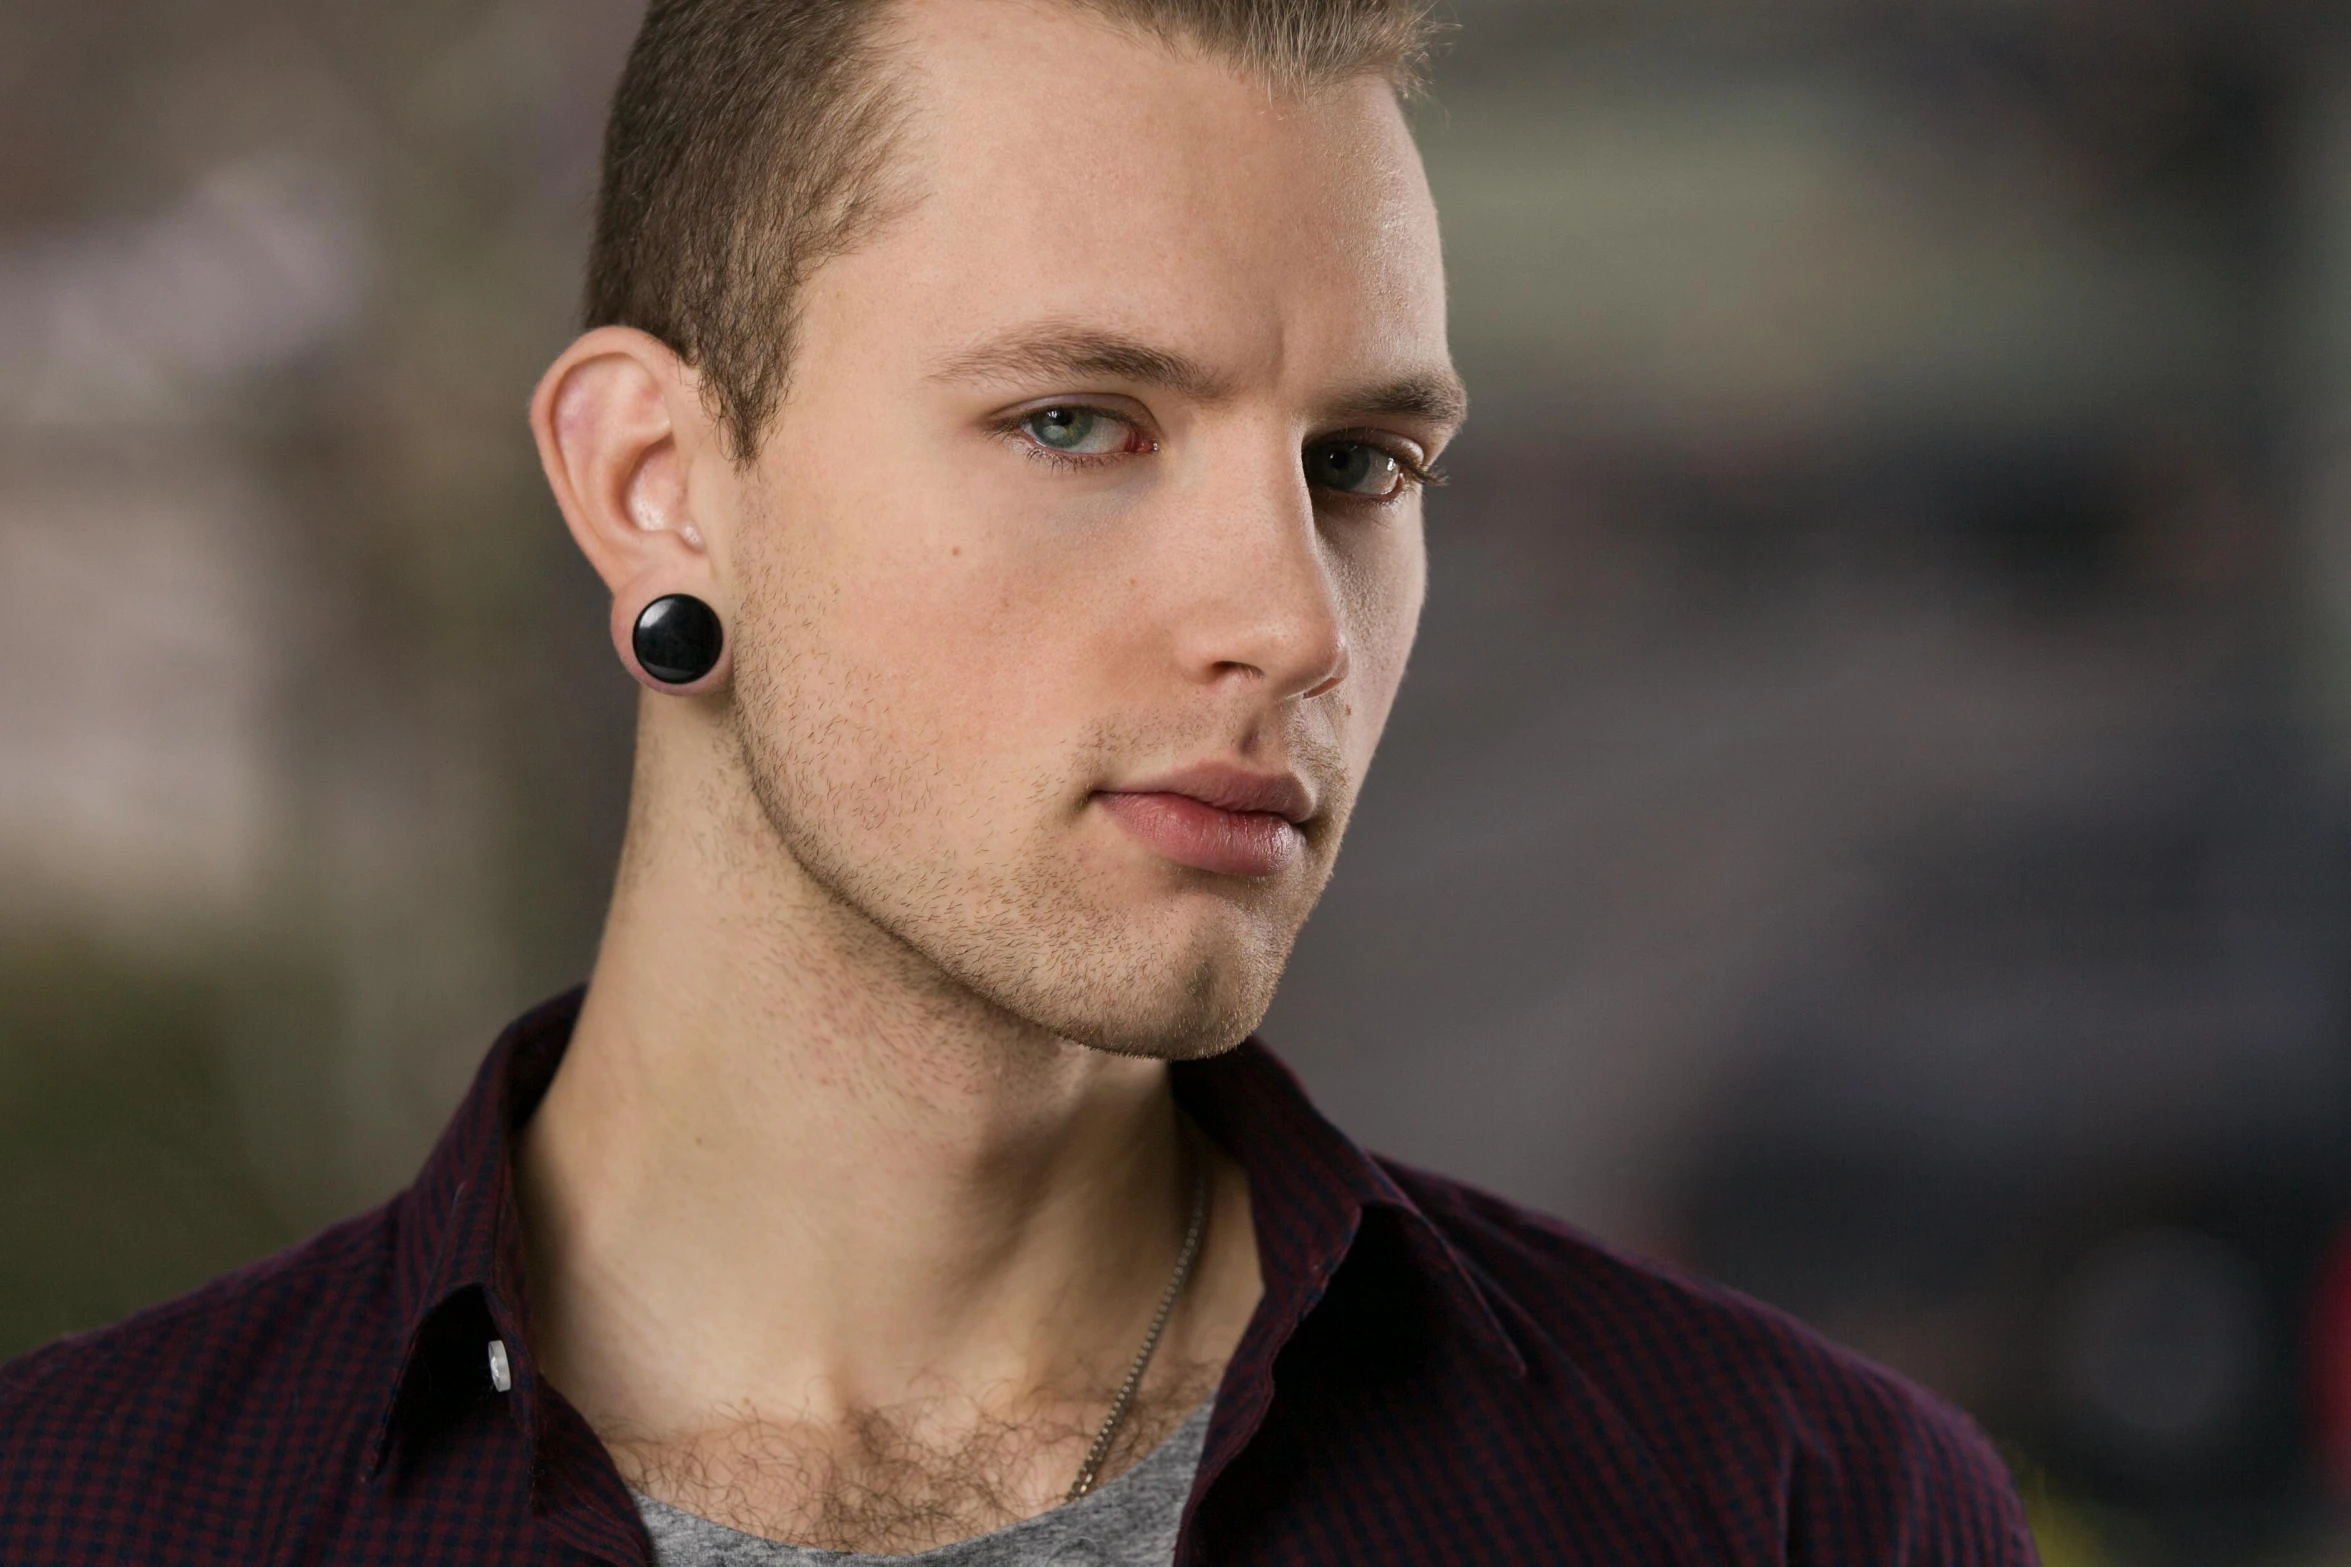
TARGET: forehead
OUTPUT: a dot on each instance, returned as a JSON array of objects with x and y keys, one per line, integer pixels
[{"x": 1061, "y": 166}]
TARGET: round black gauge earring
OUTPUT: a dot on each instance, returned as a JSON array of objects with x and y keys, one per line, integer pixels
[{"x": 678, "y": 639}]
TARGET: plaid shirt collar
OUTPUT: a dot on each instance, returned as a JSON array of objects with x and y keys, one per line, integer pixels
[{"x": 459, "y": 1276}]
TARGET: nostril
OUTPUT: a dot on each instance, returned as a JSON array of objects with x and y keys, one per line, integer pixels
[{"x": 1335, "y": 678}]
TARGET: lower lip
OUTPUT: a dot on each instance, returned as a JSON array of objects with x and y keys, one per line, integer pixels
[{"x": 1230, "y": 843}]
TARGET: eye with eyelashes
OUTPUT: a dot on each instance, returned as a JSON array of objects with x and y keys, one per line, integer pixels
[
  {"x": 1352, "y": 465},
  {"x": 1063, "y": 431},
  {"x": 1361, "y": 466}
]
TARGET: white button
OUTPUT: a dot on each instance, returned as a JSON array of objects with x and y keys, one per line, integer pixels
[{"x": 501, "y": 1373}]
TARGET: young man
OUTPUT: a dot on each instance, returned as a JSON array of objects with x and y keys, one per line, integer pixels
[{"x": 1003, "y": 433}]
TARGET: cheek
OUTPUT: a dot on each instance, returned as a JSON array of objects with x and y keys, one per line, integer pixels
[
  {"x": 1380, "y": 589},
  {"x": 963, "y": 656}
]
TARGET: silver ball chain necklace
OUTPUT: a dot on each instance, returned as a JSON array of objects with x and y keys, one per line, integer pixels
[{"x": 1091, "y": 1469}]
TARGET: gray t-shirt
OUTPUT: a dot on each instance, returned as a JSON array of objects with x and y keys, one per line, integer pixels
[{"x": 1129, "y": 1522}]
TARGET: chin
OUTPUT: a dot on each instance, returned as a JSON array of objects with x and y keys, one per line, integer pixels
[
  {"x": 1179, "y": 1000},
  {"x": 1189, "y": 1029}
]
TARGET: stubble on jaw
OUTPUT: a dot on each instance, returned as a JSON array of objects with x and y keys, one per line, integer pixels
[{"x": 1004, "y": 919}]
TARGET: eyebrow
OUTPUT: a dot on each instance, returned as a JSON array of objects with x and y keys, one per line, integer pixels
[
  {"x": 1438, "y": 398},
  {"x": 1048, "y": 352},
  {"x": 1054, "y": 352}
]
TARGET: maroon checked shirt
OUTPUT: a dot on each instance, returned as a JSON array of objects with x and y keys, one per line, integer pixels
[{"x": 1433, "y": 1376}]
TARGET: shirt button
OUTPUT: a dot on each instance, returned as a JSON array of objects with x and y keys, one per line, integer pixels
[{"x": 501, "y": 1371}]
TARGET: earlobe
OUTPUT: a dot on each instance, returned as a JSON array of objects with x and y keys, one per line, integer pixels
[{"x": 672, "y": 642}]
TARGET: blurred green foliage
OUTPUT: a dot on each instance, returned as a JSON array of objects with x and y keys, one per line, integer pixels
[{"x": 122, "y": 1179}]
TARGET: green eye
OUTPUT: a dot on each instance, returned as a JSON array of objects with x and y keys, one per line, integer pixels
[
  {"x": 1076, "y": 430},
  {"x": 1353, "y": 468}
]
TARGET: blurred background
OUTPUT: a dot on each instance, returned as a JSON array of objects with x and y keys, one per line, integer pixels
[{"x": 1870, "y": 818}]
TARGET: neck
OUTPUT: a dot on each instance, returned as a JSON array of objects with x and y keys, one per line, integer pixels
[{"x": 789, "y": 1168}]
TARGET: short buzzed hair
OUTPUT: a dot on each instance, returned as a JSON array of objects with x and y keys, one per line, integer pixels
[{"x": 749, "y": 142}]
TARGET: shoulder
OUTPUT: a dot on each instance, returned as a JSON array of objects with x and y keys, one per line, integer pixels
[
  {"x": 241, "y": 1385},
  {"x": 1742, "y": 1403}
]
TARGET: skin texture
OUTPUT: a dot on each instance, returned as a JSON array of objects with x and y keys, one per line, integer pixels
[{"x": 861, "y": 1181}]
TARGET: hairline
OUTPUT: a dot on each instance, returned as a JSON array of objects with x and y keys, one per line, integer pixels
[{"x": 879, "y": 85}]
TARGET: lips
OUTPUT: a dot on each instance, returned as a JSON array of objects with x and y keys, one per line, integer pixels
[{"x": 1221, "y": 820}]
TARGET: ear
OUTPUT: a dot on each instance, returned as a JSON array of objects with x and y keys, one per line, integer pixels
[{"x": 619, "y": 423}]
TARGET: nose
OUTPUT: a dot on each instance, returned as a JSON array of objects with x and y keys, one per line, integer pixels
[{"x": 1264, "y": 607}]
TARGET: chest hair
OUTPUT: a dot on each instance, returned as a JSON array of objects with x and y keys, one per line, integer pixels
[{"x": 894, "y": 1481}]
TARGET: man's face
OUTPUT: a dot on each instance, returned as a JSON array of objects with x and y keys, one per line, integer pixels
[{"x": 1075, "y": 578}]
